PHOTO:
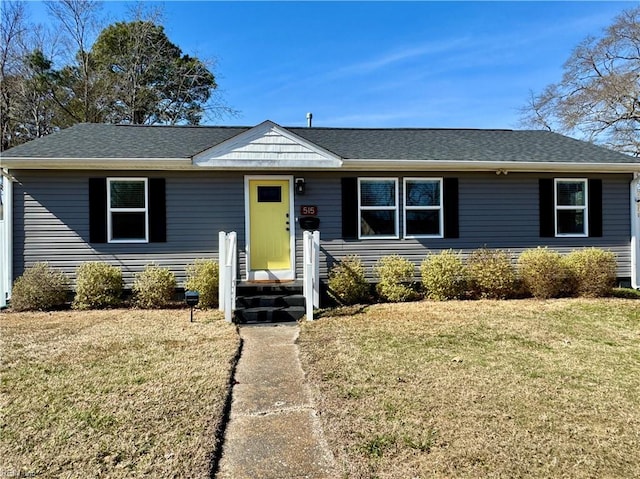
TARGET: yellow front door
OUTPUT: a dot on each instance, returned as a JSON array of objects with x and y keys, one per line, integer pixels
[{"x": 270, "y": 228}]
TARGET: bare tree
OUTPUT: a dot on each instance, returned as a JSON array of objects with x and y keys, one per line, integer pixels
[
  {"x": 190, "y": 92},
  {"x": 598, "y": 97},
  {"x": 35, "y": 101},
  {"x": 153, "y": 82},
  {"x": 13, "y": 28},
  {"x": 80, "y": 85},
  {"x": 129, "y": 72},
  {"x": 26, "y": 76}
]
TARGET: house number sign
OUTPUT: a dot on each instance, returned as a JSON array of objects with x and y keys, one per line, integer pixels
[{"x": 308, "y": 210}]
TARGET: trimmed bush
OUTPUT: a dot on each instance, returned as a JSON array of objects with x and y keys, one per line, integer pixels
[
  {"x": 347, "y": 283},
  {"x": 491, "y": 273},
  {"x": 395, "y": 275},
  {"x": 593, "y": 271},
  {"x": 153, "y": 287},
  {"x": 626, "y": 293},
  {"x": 39, "y": 289},
  {"x": 203, "y": 276},
  {"x": 98, "y": 285},
  {"x": 543, "y": 272},
  {"x": 444, "y": 276}
]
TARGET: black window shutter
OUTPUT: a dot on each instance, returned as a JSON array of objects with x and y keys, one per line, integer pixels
[
  {"x": 546, "y": 213},
  {"x": 349, "y": 208},
  {"x": 451, "y": 208},
  {"x": 97, "y": 210},
  {"x": 595, "y": 208},
  {"x": 157, "y": 211}
]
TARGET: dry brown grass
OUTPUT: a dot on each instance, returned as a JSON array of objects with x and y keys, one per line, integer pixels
[
  {"x": 480, "y": 389},
  {"x": 121, "y": 393}
]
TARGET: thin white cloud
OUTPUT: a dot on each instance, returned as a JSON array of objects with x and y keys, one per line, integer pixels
[
  {"x": 398, "y": 55},
  {"x": 463, "y": 80}
]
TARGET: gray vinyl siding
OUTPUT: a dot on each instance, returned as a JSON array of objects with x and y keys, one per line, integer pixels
[
  {"x": 494, "y": 211},
  {"x": 51, "y": 220}
]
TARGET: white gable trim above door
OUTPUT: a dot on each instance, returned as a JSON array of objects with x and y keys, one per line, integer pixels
[{"x": 267, "y": 145}]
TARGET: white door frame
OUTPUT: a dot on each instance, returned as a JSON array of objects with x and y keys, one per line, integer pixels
[{"x": 269, "y": 275}]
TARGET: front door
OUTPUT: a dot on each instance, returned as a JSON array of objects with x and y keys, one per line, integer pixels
[{"x": 270, "y": 229}]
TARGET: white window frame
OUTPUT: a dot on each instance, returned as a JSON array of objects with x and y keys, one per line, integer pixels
[
  {"x": 440, "y": 208},
  {"x": 144, "y": 210},
  {"x": 362, "y": 208},
  {"x": 584, "y": 208}
]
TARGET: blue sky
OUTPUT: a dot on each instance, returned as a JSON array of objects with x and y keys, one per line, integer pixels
[{"x": 381, "y": 64}]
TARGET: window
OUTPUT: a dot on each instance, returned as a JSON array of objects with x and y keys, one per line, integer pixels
[
  {"x": 269, "y": 194},
  {"x": 423, "y": 207},
  {"x": 378, "y": 207},
  {"x": 127, "y": 210},
  {"x": 571, "y": 200},
  {"x": 370, "y": 208}
]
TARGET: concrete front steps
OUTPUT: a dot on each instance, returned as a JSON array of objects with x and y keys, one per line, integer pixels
[{"x": 262, "y": 302}]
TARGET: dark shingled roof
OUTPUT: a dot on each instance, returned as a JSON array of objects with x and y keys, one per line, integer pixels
[
  {"x": 126, "y": 141},
  {"x": 97, "y": 140}
]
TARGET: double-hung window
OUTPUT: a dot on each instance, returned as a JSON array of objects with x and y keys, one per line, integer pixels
[
  {"x": 127, "y": 210},
  {"x": 378, "y": 207},
  {"x": 571, "y": 204},
  {"x": 423, "y": 213}
]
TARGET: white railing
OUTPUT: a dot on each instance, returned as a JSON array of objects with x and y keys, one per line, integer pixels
[
  {"x": 311, "y": 272},
  {"x": 228, "y": 260}
]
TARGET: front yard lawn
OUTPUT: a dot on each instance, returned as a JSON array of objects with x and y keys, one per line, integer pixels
[
  {"x": 480, "y": 388},
  {"x": 114, "y": 394}
]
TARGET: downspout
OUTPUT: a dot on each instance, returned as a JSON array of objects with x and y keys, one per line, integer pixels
[
  {"x": 635, "y": 231},
  {"x": 6, "y": 238}
]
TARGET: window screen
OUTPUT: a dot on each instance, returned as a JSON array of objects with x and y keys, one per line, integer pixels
[
  {"x": 571, "y": 207},
  {"x": 378, "y": 207},
  {"x": 423, "y": 207},
  {"x": 128, "y": 210}
]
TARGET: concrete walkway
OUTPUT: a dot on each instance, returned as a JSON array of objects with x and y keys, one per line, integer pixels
[{"x": 273, "y": 430}]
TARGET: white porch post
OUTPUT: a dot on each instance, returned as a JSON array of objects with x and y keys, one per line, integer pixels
[
  {"x": 316, "y": 269},
  {"x": 6, "y": 238},
  {"x": 222, "y": 259},
  {"x": 311, "y": 272},
  {"x": 635, "y": 231},
  {"x": 228, "y": 270},
  {"x": 230, "y": 276}
]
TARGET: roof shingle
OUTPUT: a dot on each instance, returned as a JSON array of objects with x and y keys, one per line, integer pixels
[{"x": 175, "y": 142}]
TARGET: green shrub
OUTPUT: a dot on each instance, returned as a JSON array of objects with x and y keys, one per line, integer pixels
[
  {"x": 491, "y": 273},
  {"x": 347, "y": 283},
  {"x": 39, "y": 289},
  {"x": 593, "y": 271},
  {"x": 626, "y": 293},
  {"x": 153, "y": 287},
  {"x": 543, "y": 272},
  {"x": 395, "y": 275},
  {"x": 98, "y": 285},
  {"x": 444, "y": 276},
  {"x": 203, "y": 276}
]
